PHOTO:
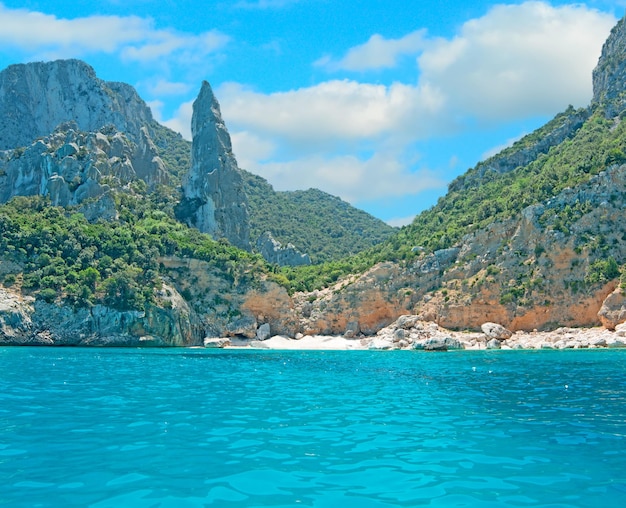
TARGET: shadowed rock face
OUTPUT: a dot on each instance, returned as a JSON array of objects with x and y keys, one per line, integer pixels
[
  {"x": 73, "y": 167},
  {"x": 214, "y": 198},
  {"x": 36, "y": 97},
  {"x": 274, "y": 252},
  {"x": 25, "y": 321}
]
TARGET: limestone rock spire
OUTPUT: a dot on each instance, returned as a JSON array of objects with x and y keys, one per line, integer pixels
[{"x": 214, "y": 200}]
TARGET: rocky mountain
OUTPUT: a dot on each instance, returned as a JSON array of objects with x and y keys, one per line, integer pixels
[
  {"x": 78, "y": 168},
  {"x": 94, "y": 270},
  {"x": 275, "y": 252},
  {"x": 532, "y": 238},
  {"x": 563, "y": 127},
  {"x": 609, "y": 75},
  {"x": 35, "y": 98},
  {"x": 68, "y": 135},
  {"x": 75, "y": 138}
]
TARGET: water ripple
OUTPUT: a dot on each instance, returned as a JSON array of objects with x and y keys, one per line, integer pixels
[{"x": 113, "y": 427}]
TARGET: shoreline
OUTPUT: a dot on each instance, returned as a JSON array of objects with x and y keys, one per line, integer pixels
[{"x": 417, "y": 335}]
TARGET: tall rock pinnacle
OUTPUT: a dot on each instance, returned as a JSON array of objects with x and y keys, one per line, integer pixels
[{"x": 214, "y": 199}]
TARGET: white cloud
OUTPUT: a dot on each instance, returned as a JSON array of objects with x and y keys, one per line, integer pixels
[
  {"x": 332, "y": 112},
  {"x": 181, "y": 121},
  {"x": 134, "y": 38},
  {"x": 161, "y": 43},
  {"x": 377, "y": 53},
  {"x": 353, "y": 179},
  {"x": 251, "y": 149},
  {"x": 34, "y": 31},
  {"x": 518, "y": 60}
]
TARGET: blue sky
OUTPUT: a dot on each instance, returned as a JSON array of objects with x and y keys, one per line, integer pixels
[{"x": 382, "y": 103}]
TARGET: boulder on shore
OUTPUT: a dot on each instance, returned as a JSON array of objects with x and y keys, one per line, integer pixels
[
  {"x": 496, "y": 331},
  {"x": 263, "y": 332},
  {"x": 613, "y": 310},
  {"x": 216, "y": 343}
]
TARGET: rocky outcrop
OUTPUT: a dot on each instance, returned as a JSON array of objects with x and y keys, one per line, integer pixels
[
  {"x": 73, "y": 167},
  {"x": 36, "y": 97},
  {"x": 214, "y": 200},
  {"x": 34, "y": 322},
  {"x": 216, "y": 343},
  {"x": 16, "y": 325},
  {"x": 609, "y": 75},
  {"x": 274, "y": 252},
  {"x": 524, "y": 273},
  {"x": 495, "y": 331},
  {"x": 263, "y": 332},
  {"x": 613, "y": 310}
]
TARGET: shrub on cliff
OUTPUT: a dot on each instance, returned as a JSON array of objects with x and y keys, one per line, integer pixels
[{"x": 109, "y": 262}]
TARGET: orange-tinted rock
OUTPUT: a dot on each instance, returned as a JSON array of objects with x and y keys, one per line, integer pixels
[{"x": 613, "y": 310}]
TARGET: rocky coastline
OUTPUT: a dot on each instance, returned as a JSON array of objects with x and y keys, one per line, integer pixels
[
  {"x": 25, "y": 321},
  {"x": 410, "y": 333}
]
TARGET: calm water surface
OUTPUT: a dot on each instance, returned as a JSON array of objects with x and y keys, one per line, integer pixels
[{"x": 190, "y": 428}]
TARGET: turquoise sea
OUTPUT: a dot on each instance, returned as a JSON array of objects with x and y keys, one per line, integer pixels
[{"x": 193, "y": 428}]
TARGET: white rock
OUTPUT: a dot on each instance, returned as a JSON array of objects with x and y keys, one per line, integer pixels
[
  {"x": 494, "y": 344},
  {"x": 496, "y": 331},
  {"x": 216, "y": 342},
  {"x": 616, "y": 343},
  {"x": 399, "y": 335},
  {"x": 380, "y": 344}
]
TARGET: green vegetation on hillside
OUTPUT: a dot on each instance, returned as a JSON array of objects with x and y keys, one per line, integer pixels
[
  {"x": 599, "y": 143},
  {"x": 323, "y": 226},
  {"x": 564, "y": 125},
  {"x": 174, "y": 150},
  {"x": 114, "y": 263}
]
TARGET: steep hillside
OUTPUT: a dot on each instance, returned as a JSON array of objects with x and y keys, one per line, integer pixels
[
  {"x": 532, "y": 238},
  {"x": 596, "y": 145},
  {"x": 214, "y": 200},
  {"x": 317, "y": 223}
]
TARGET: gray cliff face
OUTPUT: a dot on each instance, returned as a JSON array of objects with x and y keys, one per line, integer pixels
[
  {"x": 214, "y": 199},
  {"x": 274, "y": 252},
  {"x": 609, "y": 76},
  {"x": 68, "y": 135},
  {"x": 26, "y": 321},
  {"x": 36, "y": 97},
  {"x": 72, "y": 167}
]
